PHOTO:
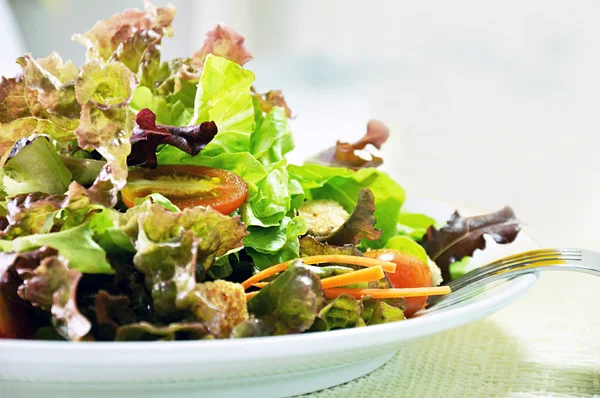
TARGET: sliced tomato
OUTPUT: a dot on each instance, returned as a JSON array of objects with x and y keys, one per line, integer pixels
[
  {"x": 187, "y": 186},
  {"x": 410, "y": 272}
]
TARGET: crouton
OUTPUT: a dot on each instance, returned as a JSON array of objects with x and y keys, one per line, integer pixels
[
  {"x": 228, "y": 297},
  {"x": 323, "y": 216}
]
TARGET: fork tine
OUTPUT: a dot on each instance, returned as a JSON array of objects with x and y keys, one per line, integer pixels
[
  {"x": 535, "y": 256},
  {"x": 533, "y": 253},
  {"x": 506, "y": 268}
]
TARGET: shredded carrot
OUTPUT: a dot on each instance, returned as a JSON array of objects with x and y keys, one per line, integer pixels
[
  {"x": 251, "y": 294},
  {"x": 264, "y": 274},
  {"x": 387, "y": 266},
  {"x": 388, "y": 293},
  {"x": 260, "y": 285},
  {"x": 360, "y": 276}
]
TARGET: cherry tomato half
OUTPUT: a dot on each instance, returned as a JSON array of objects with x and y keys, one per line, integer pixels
[
  {"x": 187, "y": 186},
  {"x": 410, "y": 272}
]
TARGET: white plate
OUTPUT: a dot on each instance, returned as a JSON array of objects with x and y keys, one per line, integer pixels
[{"x": 265, "y": 367}]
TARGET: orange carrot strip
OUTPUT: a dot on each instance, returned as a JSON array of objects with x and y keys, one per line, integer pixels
[
  {"x": 251, "y": 294},
  {"x": 264, "y": 274},
  {"x": 260, "y": 285},
  {"x": 360, "y": 276},
  {"x": 387, "y": 293},
  {"x": 387, "y": 266}
]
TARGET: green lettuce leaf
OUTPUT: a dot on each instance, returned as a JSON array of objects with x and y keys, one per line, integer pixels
[
  {"x": 289, "y": 304},
  {"x": 407, "y": 246},
  {"x": 76, "y": 245},
  {"x": 171, "y": 97},
  {"x": 414, "y": 225},
  {"x": 35, "y": 167},
  {"x": 344, "y": 185},
  {"x": 224, "y": 97},
  {"x": 272, "y": 140},
  {"x": 83, "y": 170},
  {"x": 271, "y": 202},
  {"x": 274, "y": 245},
  {"x": 461, "y": 267}
]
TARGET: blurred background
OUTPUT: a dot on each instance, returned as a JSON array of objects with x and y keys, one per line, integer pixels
[{"x": 488, "y": 104}]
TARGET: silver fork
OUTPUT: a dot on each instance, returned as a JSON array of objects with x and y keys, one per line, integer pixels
[{"x": 474, "y": 282}]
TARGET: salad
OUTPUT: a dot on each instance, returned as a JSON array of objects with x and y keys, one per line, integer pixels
[{"x": 150, "y": 199}]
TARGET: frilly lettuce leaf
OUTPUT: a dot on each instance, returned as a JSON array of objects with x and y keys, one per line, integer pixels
[
  {"x": 53, "y": 79},
  {"x": 170, "y": 245},
  {"x": 381, "y": 311},
  {"x": 344, "y": 185},
  {"x": 224, "y": 42},
  {"x": 13, "y": 265},
  {"x": 53, "y": 286},
  {"x": 106, "y": 123},
  {"x": 111, "y": 312},
  {"x": 145, "y": 331},
  {"x": 147, "y": 136},
  {"x": 461, "y": 236},
  {"x": 31, "y": 214},
  {"x": 223, "y": 96},
  {"x": 81, "y": 231},
  {"x": 360, "y": 154},
  {"x": 177, "y": 81},
  {"x": 360, "y": 224},
  {"x": 271, "y": 99},
  {"x": 23, "y": 116},
  {"x": 340, "y": 313},
  {"x": 289, "y": 304},
  {"x": 132, "y": 37}
]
